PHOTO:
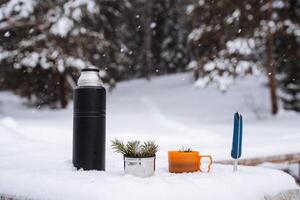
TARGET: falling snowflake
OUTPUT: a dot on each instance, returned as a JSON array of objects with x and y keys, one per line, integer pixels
[{"x": 7, "y": 34}]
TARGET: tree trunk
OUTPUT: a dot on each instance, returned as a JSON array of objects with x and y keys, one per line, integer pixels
[
  {"x": 270, "y": 67},
  {"x": 148, "y": 39},
  {"x": 63, "y": 93},
  {"x": 28, "y": 85}
]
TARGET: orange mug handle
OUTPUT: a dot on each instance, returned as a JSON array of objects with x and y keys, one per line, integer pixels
[{"x": 209, "y": 164}]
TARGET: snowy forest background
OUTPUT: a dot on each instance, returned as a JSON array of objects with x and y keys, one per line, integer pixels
[{"x": 44, "y": 44}]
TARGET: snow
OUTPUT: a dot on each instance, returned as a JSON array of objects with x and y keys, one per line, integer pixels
[
  {"x": 189, "y": 9},
  {"x": 192, "y": 65},
  {"x": 242, "y": 46},
  {"x": 34, "y": 58},
  {"x": 210, "y": 66},
  {"x": 60, "y": 65},
  {"x": 31, "y": 59},
  {"x": 223, "y": 81},
  {"x": 5, "y": 54},
  {"x": 77, "y": 14},
  {"x": 19, "y": 8},
  {"x": 72, "y": 8},
  {"x": 278, "y": 4},
  {"x": 62, "y": 27},
  {"x": 234, "y": 16},
  {"x": 153, "y": 25},
  {"x": 228, "y": 67},
  {"x": 36, "y": 143},
  {"x": 7, "y": 34},
  {"x": 293, "y": 169},
  {"x": 202, "y": 82},
  {"x": 201, "y": 2},
  {"x": 75, "y": 62},
  {"x": 292, "y": 27},
  {"x": 44, "y": 63},
  {"x": 287, "y": 25},
  {"x": 196, "y": 34}
]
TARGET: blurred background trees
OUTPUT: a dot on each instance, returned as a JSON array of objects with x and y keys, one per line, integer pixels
[{"x": 44, "y": 44}]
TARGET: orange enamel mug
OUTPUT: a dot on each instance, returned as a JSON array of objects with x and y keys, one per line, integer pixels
[{"x": 180, "y": 161}]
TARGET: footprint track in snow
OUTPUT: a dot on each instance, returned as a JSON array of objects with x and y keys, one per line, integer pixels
[{"x": 175, "y": 126}]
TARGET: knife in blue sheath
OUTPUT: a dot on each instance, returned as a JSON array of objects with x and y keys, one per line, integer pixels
[{"x": 236, "y": 150}]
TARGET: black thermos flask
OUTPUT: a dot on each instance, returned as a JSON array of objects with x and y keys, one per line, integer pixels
[{"x": 89, "y": 121}]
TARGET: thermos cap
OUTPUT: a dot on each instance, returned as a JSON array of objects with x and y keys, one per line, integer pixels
[{"x": 89, "y": 77}]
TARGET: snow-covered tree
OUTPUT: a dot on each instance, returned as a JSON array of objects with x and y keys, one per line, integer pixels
[
  {"x": 286, "y": 51},
  {"x": 222, "y": 40},
  {"x": 44, "y": 43},
  {"x": 234, "y": 38}
]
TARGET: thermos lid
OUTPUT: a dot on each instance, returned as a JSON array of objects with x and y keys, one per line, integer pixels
[{"x": 89, "y": 77}]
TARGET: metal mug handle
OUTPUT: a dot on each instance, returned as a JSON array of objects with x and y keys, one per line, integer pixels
[{"x": 209, "y": 164}]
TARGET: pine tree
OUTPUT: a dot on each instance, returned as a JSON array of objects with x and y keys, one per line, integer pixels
[
  {"x": 45, "y": 43},
  {"x": 234, "y": 38},
  {"x": 287, "y": 44},
  {"x": 155, "y": 34},
  {"x": 170, "y": 48},
  {"x": 222, "y": 40}
]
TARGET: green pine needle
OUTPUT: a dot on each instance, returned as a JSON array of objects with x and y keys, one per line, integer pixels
[
  {"x": 185, "y": 149},
  {"x": 135, "y": 149}
]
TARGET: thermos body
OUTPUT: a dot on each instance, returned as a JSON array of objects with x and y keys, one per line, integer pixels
[{"x": 89, "y": 127}]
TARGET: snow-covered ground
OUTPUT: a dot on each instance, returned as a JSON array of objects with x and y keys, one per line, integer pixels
[{"x": 36, "y": 144}]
